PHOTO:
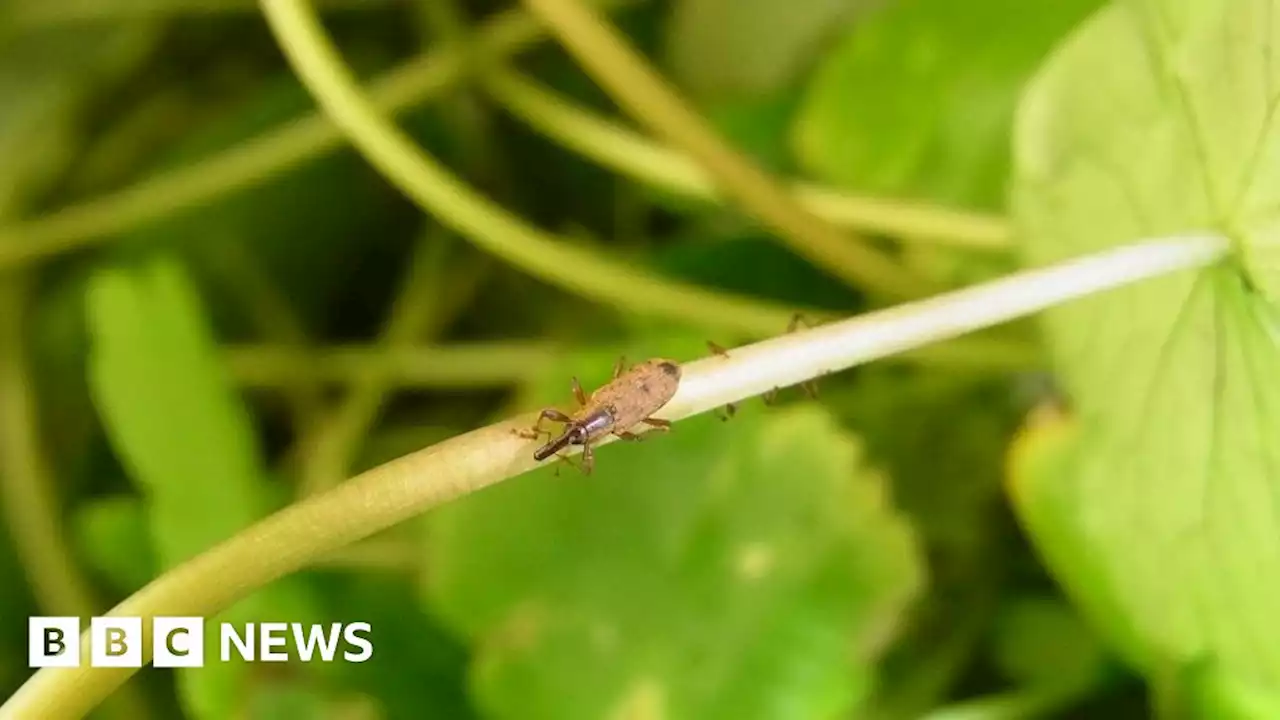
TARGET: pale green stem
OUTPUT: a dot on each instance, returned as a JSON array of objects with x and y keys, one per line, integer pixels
[
  {"x": 490, "y": 226},
  {"x": 626, "y": 76},
  {"x": 610, "y": 144},
  {"x": 468, "y": 115},
  {"x": 34, "y": 15},
  {"x": 472, "y": 365},
  {"x": 27, "y": 494},
  {"x": 104, "y": 219},
  {"x": 30, "y": 507},
  {"x": 398, "y": 490}
]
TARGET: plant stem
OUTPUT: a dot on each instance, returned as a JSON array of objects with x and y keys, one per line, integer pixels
[
  {"x": 103, "y": 219},
  {"x": 625, "y": 75},
  {"x": 608, "y": 143},
  {"x": 410, "y": 485},
  {"x": 488, "y": 225},
  {"x": 457, "y": 366},
  {"x": 31, "y": 509},
  {"x": 27, "y": 495},
  {"x": 31, "y": 16},
  {"x": 420, "y": 309},
  {"x": 270, "y": 311},
  {"x": 467, "y": 113}
]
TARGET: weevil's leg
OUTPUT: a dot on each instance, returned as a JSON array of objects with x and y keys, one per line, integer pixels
[
  {"x": 729, "y": 410},
  {"x": 578, "y": 395},
  {"x": 588, "y": 459},
  {"x": 619, "y": 367},
  {"x": 810, "y": 387},
  {"x": 629, "y": 435},
  {"x": 796, "y": 321},
  {"x": 566, "y": 460},
  {"x": 657, "y": 423},
  {"x": 537, "y": 430}
]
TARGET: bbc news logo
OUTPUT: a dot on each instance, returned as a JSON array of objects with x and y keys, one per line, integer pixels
[{"x": 179, "y": 642}]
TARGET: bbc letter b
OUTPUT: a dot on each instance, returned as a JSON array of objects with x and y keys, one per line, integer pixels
[
  {"x": 115, "y": 642},
  {"x": 53, "y": 642}
]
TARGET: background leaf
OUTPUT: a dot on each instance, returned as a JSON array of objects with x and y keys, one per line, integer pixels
[
  {"x": 917, "y": 99},
  {"x": 1147, "y": 122},
  {"x": 186, "y": 441},
  {"x": 756, "y": 560}
]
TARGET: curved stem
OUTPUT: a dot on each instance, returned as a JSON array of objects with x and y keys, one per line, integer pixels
[
  {"x": 471, "y": 365},
  {"x": 489, "y": 225},
  {"x": 425, "y": 301},
  {"x": 608, "y": 143},
  {"x": 27, "y": 494},
  {"x": 33, "y": 16},
  {"x": 30, "y": 508},
  {"x": 396, "y": 491},
  {"x": 100, "y": 220},
  {"x": 468, "y": 114},
  {"x": 620, "y": 70}
]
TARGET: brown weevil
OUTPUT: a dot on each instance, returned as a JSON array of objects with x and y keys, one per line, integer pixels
[{"x": 630, "y": 398}]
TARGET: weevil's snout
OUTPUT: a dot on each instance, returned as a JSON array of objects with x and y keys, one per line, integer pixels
[{"x": 573, "y": 435}]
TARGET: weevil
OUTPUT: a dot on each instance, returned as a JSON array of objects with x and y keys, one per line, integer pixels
[{"x": 629, "y": 399}]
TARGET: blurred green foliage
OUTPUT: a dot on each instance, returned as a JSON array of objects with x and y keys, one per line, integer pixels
[{"x": 856, "y": 555}]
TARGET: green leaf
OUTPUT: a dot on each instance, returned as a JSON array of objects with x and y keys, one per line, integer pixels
[
  {"x": 1155, "y": 119},
  {"x": 1043, "y": 461},
  {"x": 946, "y": 479},
  {"x": 918, "y": 98},
  {"x": 187, "y": 441},
  {"x": 1211, "y": 694},
  {"x": 750, "y": 569}
]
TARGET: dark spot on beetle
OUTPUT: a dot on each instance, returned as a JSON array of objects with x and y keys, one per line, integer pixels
[{"x": 670, "y": 369}]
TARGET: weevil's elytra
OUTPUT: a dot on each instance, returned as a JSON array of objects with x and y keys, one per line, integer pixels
[{"x": 629, "y": 399}]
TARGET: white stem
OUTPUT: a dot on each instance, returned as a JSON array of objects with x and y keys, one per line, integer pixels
[{"x": 794, "y": 358}]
